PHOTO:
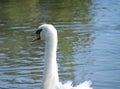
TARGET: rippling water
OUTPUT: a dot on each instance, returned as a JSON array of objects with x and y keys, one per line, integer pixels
[{"x": 88, "y": 48}]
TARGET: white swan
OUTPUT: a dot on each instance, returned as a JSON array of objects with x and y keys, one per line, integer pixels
[{"x": 48, "y": 33}]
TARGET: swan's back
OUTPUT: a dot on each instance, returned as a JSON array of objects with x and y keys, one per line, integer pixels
[{"x": 68, "y": 85}]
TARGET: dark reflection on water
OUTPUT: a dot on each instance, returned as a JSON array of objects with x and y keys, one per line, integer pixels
[{"x": 88, "y": 47}]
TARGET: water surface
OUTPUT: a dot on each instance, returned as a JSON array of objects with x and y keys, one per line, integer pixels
[{"x": 88, "y": 47}]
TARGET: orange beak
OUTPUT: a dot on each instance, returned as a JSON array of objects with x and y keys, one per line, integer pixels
[{"x": 37, "y": 37}]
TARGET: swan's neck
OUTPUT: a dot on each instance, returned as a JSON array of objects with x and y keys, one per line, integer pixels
[
  {"x": 50, "y": 51},
  {"x": 51, "y": 68}
]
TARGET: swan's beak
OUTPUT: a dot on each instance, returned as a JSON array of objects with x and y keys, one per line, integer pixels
[{"x": 37, "y": 37}]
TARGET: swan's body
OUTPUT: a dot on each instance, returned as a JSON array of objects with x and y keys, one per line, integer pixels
[{"x": 51, "y": 80}]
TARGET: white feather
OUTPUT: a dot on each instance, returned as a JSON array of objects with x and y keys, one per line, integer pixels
[{"x": 51, "y": 78}]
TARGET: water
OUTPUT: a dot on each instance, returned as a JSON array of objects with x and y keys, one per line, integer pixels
[{"x": 88, "y": 47}]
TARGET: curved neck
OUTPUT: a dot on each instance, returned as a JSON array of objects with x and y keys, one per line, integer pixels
[
  {"x": 50, "y": 49},
  {"x": 51, "y": 69}
]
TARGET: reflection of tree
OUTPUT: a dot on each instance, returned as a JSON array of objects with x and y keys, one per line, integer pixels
[
  {"x": 66, "y": 12},
  {"x": 19, "y": 11},
  {"x": 25, "y": 11},
  {"x": 72, "y": 43},
  {"x": 66, "y": 60}
]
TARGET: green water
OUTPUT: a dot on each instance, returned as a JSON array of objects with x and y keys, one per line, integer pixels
[{"x": 88, "y": 47}]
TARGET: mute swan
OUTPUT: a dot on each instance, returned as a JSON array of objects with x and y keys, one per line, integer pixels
[{"x": 48, "y": 33}]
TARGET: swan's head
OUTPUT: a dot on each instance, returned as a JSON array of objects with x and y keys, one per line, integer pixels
[{"x": 44, "y": 31}]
